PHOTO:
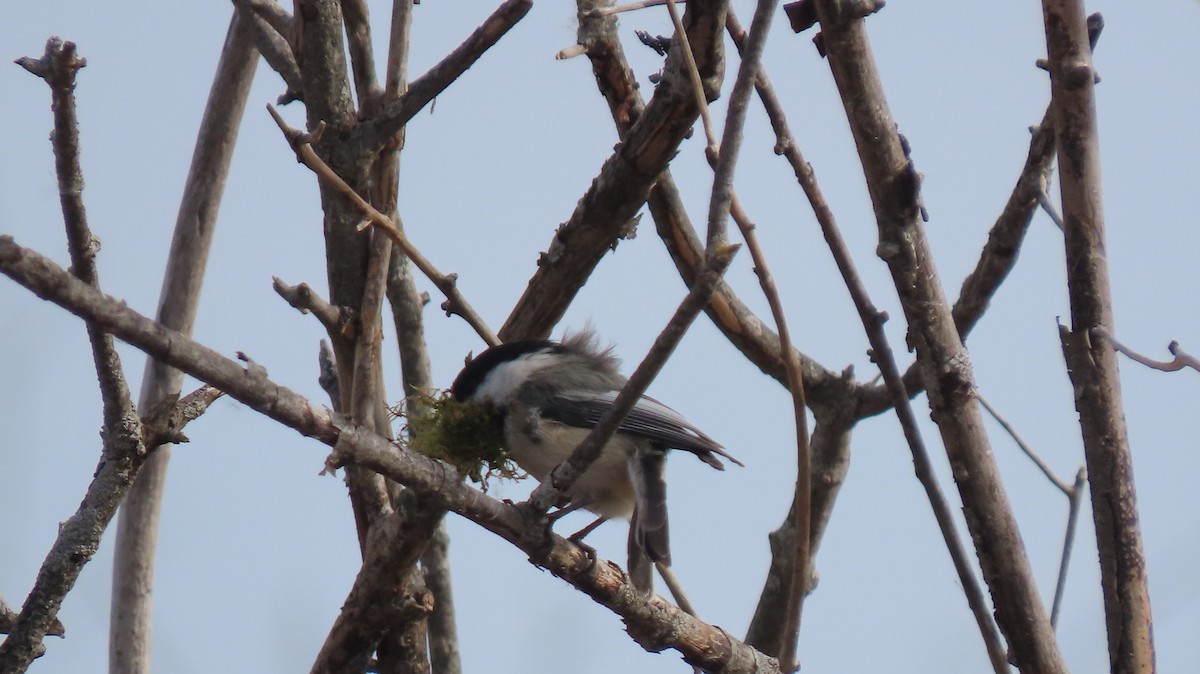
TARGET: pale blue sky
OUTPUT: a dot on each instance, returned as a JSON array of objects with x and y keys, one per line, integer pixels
[{"x": 257, "y": 551}]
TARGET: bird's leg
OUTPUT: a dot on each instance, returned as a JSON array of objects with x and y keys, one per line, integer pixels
[{"x": 577, "y": 537}]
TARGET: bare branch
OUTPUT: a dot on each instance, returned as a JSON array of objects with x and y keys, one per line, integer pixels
[
  {"x": 1033, "y": 456},
  {"x": 456, "y": 303},
  {"x": 362, "y": 55},
  {"x": 368, "y": 494},
  {"x": 723, "y": 203},
  {"x": 653, "y": 622},
  {"x": 393, "y": 547},
  {"x": 137, "y": 530},
  {"x": 166, "y": 424},
  {"x": 882, "y": 355},
  {"x": 999, "y": 254},
  {"x": 443, "y": 631},
  {"x": 893, "y": 183},
  {"x": 271, "y": 12},
  {"x": 336, "y": 320},
  {"x": 755, "y": 339},
  {"x": 272, "y": 30},
  {"x": 603, "y": 214},
  {"x": 436, "y": 628},
  {"x": 378, "y": 131},
  {"x": 1091, "y": 365},
  {"x": 1182, "y": 358},
  {"x": 8, "y": 619},
  {"x": 1076, "y": 499},
  {"x": 617, "y": 9},
  {"x": 123, "y": 452},
  {"x": 1074, "y": 494},
  {"x": 830, "y": 462}
]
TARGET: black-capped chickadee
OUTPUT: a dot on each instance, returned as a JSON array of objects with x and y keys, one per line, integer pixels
[{"x": 551, "y": 394}]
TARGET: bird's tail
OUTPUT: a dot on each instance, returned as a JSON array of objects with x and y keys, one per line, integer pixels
[{"x": 649, "y": 537}]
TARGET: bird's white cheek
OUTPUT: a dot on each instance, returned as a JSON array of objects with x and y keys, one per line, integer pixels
[{"x": 504, "y": 379}]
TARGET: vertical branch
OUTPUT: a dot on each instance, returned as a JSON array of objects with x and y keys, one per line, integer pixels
[
  {"x": 440, "y": 629},
  {"x": 1091, "y": 364},
  {"x": 123, "y": 452},
  {"x": 721, "y": 203},
  {"x": 137, "y": 529},
  {"x": 362, "y": 56},
  {"x": 894, "y": 186}
]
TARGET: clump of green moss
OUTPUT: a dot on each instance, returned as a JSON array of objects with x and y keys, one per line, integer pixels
[{"x": 468, "y": 436}]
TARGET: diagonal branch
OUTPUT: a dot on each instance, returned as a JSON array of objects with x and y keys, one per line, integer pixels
[
  {"x": 394, "y": 116},
  {"x": 455, "y": 301},
  {"x": 604, "y": 212},
  {"x": 272, "y": 26},
  {"x": 438, "y": 627},
  {"x": 746, "y": 331},
  {"x": 653, "y": 622},
  {"x": 894, "y": 186},
  {"x": 999, "y": 254},
  {"x": 723, "y": 203}
]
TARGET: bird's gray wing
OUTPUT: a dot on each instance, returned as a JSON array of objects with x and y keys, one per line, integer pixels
[{"x": 648, "y": 419}]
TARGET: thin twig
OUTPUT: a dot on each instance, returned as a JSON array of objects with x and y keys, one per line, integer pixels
[
  {"x": 1033, "y": 456},
  {"x": 693, "y": 73},
  {"x": 1074, "y": 494},
  {"x": 652, "y": 621},
  {"x": 1182, "y": 358},
  {"x": 1043, "y": 200},
  {"x": 455, "y": 302},
  {"x": 368, "y": 494},
  {"x": 444, "y": 657},
  {"x": 882, "y": 354},
  {"x": 748, "y": 72},
  {"x": 603, "y": 215},
  {"x": 723, "y": 157},
  {"x": 378, "y": 131},
  {"x": 831, "y": 392},
  {"x": 439, "y": 626},
  {"x": 676, "y": 589},
  {"x": 550, "y": 491},
  {"x": 1076, "y": 499}
]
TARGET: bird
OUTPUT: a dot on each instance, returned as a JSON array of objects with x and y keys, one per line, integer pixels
[{"x": 550, "y": 394}]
